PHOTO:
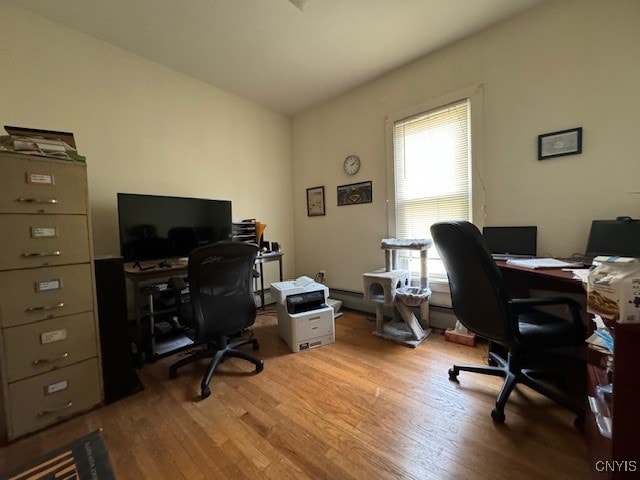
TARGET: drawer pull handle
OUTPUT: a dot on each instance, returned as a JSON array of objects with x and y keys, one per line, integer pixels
[
  {"x": 45, "y": 307},
  {"x": 57, "y": 253},
  {"x": 50, "y": 412},
  {"x": 44, "y": 361},
  {"x": 50, "y": 201}
]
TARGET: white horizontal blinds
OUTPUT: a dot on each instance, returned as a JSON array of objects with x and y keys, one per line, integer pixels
[{"x": 432, "y": 163}]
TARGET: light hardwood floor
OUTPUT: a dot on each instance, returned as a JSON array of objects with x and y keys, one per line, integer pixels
[{"x": 362, "y": 408}]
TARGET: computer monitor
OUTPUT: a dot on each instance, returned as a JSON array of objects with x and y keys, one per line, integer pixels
[
  {"x": 511, "y": 240},
  {"x": 614, "y": 237}
]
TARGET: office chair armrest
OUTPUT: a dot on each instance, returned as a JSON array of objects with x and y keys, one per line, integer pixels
[
  {"x": 537, "y": 302},
  {"x": 523, "y": 305}
]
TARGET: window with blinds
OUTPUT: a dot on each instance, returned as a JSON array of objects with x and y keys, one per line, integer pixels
[{"x": 432, "y": 171}]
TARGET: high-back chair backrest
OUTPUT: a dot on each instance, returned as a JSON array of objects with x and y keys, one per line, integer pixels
[
  {"x": 183, "y": 240},
  {"x": 478, "y": 292},
  {"x": 221, "y": 288}
]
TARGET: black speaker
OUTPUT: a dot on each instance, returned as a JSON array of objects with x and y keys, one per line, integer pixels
[{"x": 119, "y": 376}]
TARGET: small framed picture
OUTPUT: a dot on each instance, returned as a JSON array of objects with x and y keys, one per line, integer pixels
[
  {"x": 559, "y": 144},
  {"x": 315, "y": 201},
  {"x": 355, "y": 193}
]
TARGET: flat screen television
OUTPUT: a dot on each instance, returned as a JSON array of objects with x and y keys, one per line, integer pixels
[{"x": 154, "y": 227}]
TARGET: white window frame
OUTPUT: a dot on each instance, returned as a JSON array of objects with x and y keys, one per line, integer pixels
[{"x": 477, "y": 196}]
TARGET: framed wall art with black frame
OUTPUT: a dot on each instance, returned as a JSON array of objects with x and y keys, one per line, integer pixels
[
  {"x": 355, "y": 193},
  {"x": 560, "y": 144},
  {"x": 315, "y": 202}
]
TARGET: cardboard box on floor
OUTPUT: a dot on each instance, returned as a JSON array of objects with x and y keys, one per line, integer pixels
[{"x": 614, "y": 289}]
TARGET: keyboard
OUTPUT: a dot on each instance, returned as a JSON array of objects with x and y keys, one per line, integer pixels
[{"x": 509, "y": 256}]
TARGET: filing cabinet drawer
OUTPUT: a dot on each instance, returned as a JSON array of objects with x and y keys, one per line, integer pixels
[
  {"x": 32, "y": 185},
  {"x": 43, "y": 346},
  {"x": 37, "y": 294},
  {"x": 39, "y": 401},
  {"x": 43, "y": 240}
]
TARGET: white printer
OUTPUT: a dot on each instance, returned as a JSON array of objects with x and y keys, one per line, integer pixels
[{"x": 304, "y": 319}]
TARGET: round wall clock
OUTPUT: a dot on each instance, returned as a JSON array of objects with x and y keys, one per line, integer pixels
[{"x": 351, "y": 164}]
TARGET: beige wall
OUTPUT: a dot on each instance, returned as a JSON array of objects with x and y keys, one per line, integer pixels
[
  {"x": 145, "y": 128},
  {"x": 561, "y": 65}
]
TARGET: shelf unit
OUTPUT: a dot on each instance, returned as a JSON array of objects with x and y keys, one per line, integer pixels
[
  {"x": 165, "y": 336},
  {"x": 612, "y": 422},
  {"x": 245, "y": 231},
  {"x": 145, "y": 286}
]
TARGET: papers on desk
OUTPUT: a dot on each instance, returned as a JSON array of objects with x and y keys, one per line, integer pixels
[
  {"x": 541, "y": 263},
  {"x": 601, "y": 336},
  {"x": 581, "y": 274}
]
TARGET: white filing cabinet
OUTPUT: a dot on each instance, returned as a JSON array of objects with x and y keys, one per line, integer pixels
[{"x": 49, "y": 346}]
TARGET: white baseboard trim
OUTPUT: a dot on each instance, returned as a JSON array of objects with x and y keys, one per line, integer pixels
[{"x": 439, "y": 317}]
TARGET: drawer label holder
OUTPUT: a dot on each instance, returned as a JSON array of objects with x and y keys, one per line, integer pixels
[
  {"x": 48, "y": 285},
  {"x": 56, "y": 387},
  {"x": 53, "y": 336},
  {"x": 44, "y": 232},
  {"x": 40, "y": 178}
]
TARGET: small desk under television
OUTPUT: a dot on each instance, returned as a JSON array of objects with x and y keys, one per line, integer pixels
[{"x": 149, "y": 278}]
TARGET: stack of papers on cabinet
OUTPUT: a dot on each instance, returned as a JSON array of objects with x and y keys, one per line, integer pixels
[
  {"x": 541, "y": 263},
  {"x": 46, "y": 143}
]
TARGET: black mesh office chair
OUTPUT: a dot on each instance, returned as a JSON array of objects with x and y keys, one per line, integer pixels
[
  {"x": 222, "y": 300},
  {"x": 481, "y": 303},
  {"x": 183, "y": 240}
]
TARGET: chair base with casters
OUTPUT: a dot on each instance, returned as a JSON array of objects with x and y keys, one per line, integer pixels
[
  {"x": 218, "y": 351},
  {"x": 513, "y": 373}
]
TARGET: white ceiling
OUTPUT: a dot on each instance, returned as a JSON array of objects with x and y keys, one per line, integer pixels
[{"x": 272, "y": 52}]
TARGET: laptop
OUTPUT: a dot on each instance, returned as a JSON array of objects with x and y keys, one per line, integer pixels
[
  {"x": 511, "y": 242},
  {"x": 620, "y": 237}
]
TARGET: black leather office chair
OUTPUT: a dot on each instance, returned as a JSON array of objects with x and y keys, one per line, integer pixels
[
  {"x": 481, "y": 303},
  {"x": 222, "y": 300}
]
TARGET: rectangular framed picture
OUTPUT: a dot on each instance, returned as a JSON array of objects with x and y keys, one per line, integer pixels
[
  {"x": 315, "y": 201},
  {"x": 559, "y": 144},
  {"x": 355, "y": 193}
]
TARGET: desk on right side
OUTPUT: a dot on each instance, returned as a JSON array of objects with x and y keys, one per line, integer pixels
[
  {"x": 614, "y": 454},
  {"x": 520, "y": 280}
]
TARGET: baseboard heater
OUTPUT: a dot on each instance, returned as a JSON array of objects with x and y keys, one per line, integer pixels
[{"x": 439, "y": 317}]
